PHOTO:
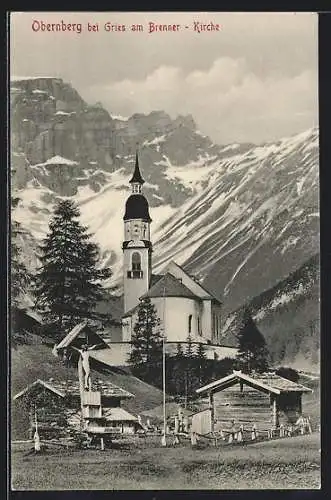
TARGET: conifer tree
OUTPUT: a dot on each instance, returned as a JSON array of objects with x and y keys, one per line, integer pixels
[
  {"x": 179, "y": 351},
  {"x": 146, "y": 338},
  {"x": 189, "y": 349},
  {"x": 189, "y": 368},
  {"x": 177, "y": 373},
  {"x": 68, "y": 284},
  {"x": 201, "y": 364},
  {"x": 252, "y": 353}
]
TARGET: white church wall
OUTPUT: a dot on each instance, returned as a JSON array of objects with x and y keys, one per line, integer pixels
[
  {"x": 216, "y": 317},
  {"x": 127, "y": 329},
  {"x": 177, "y": 312},
  {"x": 206, "y": 319}
]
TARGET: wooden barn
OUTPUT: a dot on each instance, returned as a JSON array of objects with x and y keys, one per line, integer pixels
[
  {"x": 266, "y": 400},
  {"x": 57, "y": 405}
]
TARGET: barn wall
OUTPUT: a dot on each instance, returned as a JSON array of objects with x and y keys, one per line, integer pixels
[
  {"x": 247, "y": 407},
  {"x": 128, "y": 428}
]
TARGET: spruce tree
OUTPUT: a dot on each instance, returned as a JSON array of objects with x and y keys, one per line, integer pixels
[
  {"x": 190, "y": 369},
  {"x": 189, "y": 348},
  {"x": 179, "y": 351},
  {"x": 252, "y": 353},
  {"x": 177, "y": 375},
  {"x": 201, "y": 364},
  {"x": 146, "y": 338},
  {"x": 68, "y": 284}
]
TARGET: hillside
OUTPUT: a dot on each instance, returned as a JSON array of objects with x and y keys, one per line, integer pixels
[
  {"x": 288, "y": 317},
  {"x": 35, "y": 360}
]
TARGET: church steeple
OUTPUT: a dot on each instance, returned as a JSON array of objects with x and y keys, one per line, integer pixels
[
  {"x": 136, "y": 181},
  {"x": 137, "y": 246}
]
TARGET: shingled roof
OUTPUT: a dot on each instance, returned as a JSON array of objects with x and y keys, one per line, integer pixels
[
  {"x": 267, "y": 382},
  {"x": 64, "y": 388},
  {"x": 169, "y": 286}
]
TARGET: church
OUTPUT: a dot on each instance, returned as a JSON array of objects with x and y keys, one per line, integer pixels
[{"x": 184, "y": 306}]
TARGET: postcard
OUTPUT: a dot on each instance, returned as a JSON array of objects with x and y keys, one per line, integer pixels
[{"x": 165, "y": 330}]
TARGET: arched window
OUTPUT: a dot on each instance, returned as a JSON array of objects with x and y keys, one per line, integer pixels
[
  {"x": 136, "y": 261},
  {"x": 190, "y": 323}
]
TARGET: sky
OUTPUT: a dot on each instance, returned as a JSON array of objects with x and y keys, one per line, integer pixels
[{"x": 254, "y": 80}]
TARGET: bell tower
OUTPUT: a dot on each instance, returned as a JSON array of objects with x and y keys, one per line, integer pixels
[{"x": 137, "y": 247}]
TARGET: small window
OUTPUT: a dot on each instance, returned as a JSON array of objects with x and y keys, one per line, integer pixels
[
  {"x": 199, "y": 328},
  {"x": 190, "y": 323}
]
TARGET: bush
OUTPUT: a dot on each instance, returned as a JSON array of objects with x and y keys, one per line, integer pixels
[{"x": 288, "y": 373}]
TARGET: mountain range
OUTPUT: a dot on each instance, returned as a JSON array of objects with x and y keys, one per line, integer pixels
[{"x": 242, "y": 218}]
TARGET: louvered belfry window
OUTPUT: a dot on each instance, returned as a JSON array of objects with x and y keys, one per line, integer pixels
[
  {"x": 136, "y": 271},
  {"x": 136, "y": 261}
]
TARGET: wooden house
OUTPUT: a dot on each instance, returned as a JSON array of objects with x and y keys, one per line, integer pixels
[
  {"x": 57, "y": 405},
  {"x": 265, "y": 400}
]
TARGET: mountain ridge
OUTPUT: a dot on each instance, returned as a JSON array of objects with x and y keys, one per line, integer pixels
[{"x": 239, "y": 217}]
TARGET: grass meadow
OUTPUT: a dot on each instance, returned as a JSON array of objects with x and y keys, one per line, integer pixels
[{"x": 288, "y": 463}]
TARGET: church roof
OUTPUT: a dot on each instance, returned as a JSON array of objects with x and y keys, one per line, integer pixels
[
  {"x": 137, "y": 177},
  {"x": 209, "y": 294},
  {"x": 169, "y": 286},
  {"x": 130, "y": 312},
  {"x": 154, "y": 279}
]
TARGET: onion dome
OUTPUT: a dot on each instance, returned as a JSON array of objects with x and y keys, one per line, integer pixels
[{"x": 136, "y": 207}]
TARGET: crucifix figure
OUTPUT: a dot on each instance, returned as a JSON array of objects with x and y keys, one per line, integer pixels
[{"x": 85, "y": 361}]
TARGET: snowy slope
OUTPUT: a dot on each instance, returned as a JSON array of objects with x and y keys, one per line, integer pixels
[
  {"x": 240, "y": 217},
  {"x": 245, "y": 212},
  {"x": 255, "y": 220}
]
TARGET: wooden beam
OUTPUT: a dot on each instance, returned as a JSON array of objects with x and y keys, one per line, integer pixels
[
  {"x": 300, "y": 403},
  {"x": 274, "y": 410}
]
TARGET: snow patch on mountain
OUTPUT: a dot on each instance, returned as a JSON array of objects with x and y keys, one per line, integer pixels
[
  {"x": 190, "y": 175},
  {"x": 56, "y": 160},
  {"x": 157, "y": 140}
]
